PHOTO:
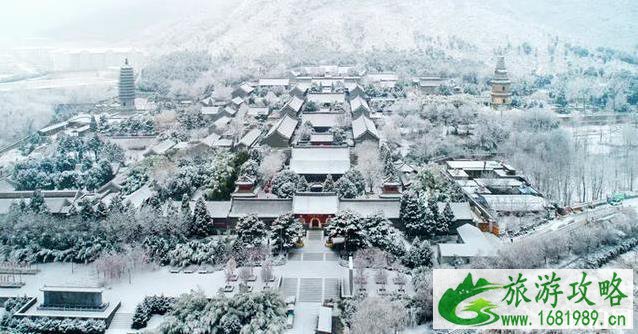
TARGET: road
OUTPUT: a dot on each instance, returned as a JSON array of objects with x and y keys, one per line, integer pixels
[{"x": 573, "y": 221}]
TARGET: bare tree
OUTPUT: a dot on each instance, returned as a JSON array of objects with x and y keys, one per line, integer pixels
[
  {"x": 376, "y": 315},
  {"x": 267, "y": 274},
  {"x": 369, "y": 164},
  {"x": 229, "y": 271},
  {"x": 271, "y": 164}
]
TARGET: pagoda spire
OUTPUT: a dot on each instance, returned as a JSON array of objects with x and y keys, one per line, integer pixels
[
  {"x": 127, "y": 86},
  {"x": 501, "y": 93}
]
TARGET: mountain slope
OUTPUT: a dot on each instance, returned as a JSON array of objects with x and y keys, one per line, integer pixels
[{"x": 255, "y": 27}]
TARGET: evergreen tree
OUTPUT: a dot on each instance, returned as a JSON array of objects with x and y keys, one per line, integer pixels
[
  {"x": 201, "y": 223},
  {"x": 250, "y": 230},
  {"x": 381, "y": 234},
  {"x": 345, "y": 188},
  {"x": 411, "y": 214},
  {"x": 338, "y": 135},
  {"x": 37, "y": 203},
  {"x": 284, "y": 184},
  {"x": 93, "y": 124},
  {"x": 357, "y": 179},
  {"x": 419, "y": 255},
  {"x": 117, "y": 203},
  {"x": 328, "y": 184},
  {"x": 185, "y": 210},
  {"x": 348, "y": 225},
  {"x": 432, "y": 216},
  {"x": 101, "y": 211},
  {"x": 87, "y": 211},
  {"x": 446, "y": 221},
  {"x": 285, "y": 231},
  {"x": 302, "y": 184}
]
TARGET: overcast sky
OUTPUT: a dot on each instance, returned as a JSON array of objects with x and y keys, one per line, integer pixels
[{"x": 54, "y": 22}]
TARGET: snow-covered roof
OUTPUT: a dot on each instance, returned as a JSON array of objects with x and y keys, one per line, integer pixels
[
  {"x": 224, "y": 142},
  {"x": 430, "y": 81},
  {"x": 285, "y": 127},
  {"x": 138, "y": 197},
  {"x": 322, "y": 138},
  {"x": 320, "y": 160},
  {"x": 515, "y": 203},
  {"x": 274, "y": 82},
  {"x": 218, "y": 209},
  {"x": 246, "y": 88},
  {"x": 365, "y": 207},
  {"x": 210, "y": 140},
  {"x": 215, "y": 110},
  {"x": 250, "y": 138},
  {"x": 54, "y": 204},
  {"x": 315, "y": 203},
  {"x": 222, "y": 121},
  {"x": 321, "y": 119},
  {"x": 504, "y": 182},
  {"x": 262, "y": 207},
  {"x": 475, "y": 243},
  {"x": 326, "y": 97},
  {"x": 294, "y": 104},
  {"x": 237, "y": 100},
  {"x": 258, "y": 111},
  {"x": 473, "y": 164},
  {"x": 162, "y": 147},
  {"x": 359, "y": 102},
  {"x": 53, "y": 127},
  {"x": 383, "y": 77},
  {"x": 324, "y": 321},
  {"x": 458, "y": 173},
  {"x": 363, "y": 124},
  {"x": 72, "y": 289},
  {"x": 461, "y": 210}
]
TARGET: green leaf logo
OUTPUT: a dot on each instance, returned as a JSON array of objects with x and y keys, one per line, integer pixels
[{"x": 451, "y": 299}]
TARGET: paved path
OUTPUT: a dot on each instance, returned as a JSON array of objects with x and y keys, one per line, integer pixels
[{"x": 312, "y": 275}]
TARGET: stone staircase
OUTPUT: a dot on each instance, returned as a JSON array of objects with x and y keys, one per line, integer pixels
[{"x": 122, "y": 321}]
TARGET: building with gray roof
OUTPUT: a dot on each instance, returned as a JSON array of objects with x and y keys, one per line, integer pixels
[
  {"x": 315, "y": 162},
  {"x": 364, "y": 129},
  {"x": 281, "y": 133}
]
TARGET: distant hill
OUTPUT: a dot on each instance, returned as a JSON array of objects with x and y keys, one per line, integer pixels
[{"x": 251, "y": 28}]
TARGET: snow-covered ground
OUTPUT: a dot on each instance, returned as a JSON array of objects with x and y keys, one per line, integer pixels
[
  {"x": 162, "y": 282},
  {"x": 102, "y": 79}
]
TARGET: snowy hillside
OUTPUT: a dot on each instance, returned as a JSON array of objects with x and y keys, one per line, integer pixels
[{"x": 257, "y": 27}]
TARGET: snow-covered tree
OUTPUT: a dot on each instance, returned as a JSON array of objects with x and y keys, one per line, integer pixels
[
  {"x": 357, "y": 179},
  {"x": 348, "y": 225},
  {"x": 37, "y": 203},
  {"x": 328, "y": 184},
  {"x": 271, "y": 164},
  {"x": 250, "y": 230},
  {"x": 380, "y": 316},
  {"x": 345, "y": 188},
  {"x": 446, "y": 220},
  {"x": 419, "y": 254},
  {"x": 411, "y": 214},
  {"x": 285, "y": 231},
  {"x": 369, "y": 163},
  {"x": 305, "y": 130},
  {"x": 201, "y": 223},
  {"x": 284, "y": 184},
  {"x": 267, "y": 273},
  {"x": 423, "y": 300},
  {"x": 230, "y": 269},
  {"x": 338, "y": 135},
  {"x": 381, "y": 234},
  {"x": 302, "y": 184}
]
